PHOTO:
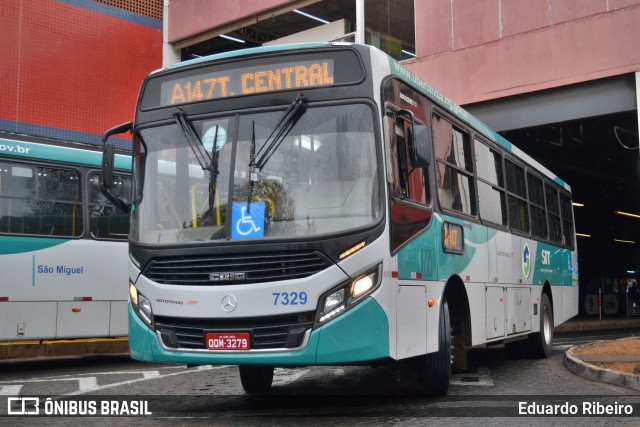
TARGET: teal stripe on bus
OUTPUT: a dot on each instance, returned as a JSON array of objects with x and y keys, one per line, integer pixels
[
  {"x": 32, "y": 150},
  {"x": 18, "y": 244}
]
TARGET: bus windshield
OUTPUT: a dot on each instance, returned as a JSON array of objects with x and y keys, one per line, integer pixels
[{"x": 321, "y": 177}]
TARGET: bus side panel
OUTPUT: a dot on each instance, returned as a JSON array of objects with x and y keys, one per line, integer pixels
[
  {"x": 76, "y": 280},
  {"x": 27, "y": 320},
  {"x": 412, "y": 321},
  {"x": 118, "y": 325},
  {"x": 83, "y": 319}
]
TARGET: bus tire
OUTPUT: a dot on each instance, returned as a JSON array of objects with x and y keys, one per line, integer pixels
[
  {"x": 256, "y": 379},
  {"x": 437, "y": 370},
  {"x": 540, "y": 344}
]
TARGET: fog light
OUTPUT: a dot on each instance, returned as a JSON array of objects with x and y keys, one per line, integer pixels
[
  {"x": 331, "y": 314},
  {"x": 145, "y": 308}
]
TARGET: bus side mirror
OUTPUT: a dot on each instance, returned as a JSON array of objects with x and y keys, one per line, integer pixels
[
  {"x": 108, "y": 161},
  {"x": 419, "y": 145}
]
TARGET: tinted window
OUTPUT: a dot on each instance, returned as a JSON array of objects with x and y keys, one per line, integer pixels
[
  {"x": 536, "y": 204},
  {"x": 567, "y": 220},
  {"x": 454, "y": 181},
  {"x": 39, "y": 200},
  {"x": 517, "y": 198},
  {"x": 553, "y": 214},
  {"x": 105, "y": 221},
  {"x": 492, "y": 200}
]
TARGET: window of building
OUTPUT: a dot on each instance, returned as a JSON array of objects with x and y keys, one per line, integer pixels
[{"x": 390, "y": 26}]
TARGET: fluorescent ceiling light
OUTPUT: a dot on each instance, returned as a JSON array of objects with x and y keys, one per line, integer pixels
[
  {"x": 408, "y": 53},
  {"x": 583, "y": 235},
  {"x": 308, "y": 15},
  {"x": 234, "y": 39},
  {"x": 624, "y": 241},
  {"x": 632, "y": 215},
  {"x": 579, "y": 205}
]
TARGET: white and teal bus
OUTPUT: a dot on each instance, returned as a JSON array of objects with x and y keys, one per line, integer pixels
[
  {"x": 319, "y": 204},
  {"x": 63, "y": 247}
]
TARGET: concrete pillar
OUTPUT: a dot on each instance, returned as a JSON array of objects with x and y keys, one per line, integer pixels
[
  {"x": 638, "y": 107},
  {"x": 360, "y": 38},
  {"x": 170, "y": 55}
]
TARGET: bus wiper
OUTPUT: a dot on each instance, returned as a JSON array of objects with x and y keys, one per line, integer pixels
[
  {"x": 253, "y": 176},
  {"x": 193, "y": 139},
  {"x": 289, "y": 119},
  {"x": 213, "y": 175}
]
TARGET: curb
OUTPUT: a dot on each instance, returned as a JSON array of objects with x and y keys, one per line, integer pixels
[
  {"x": 58, "y": 348},
  {"x": 582, "y": 369}
]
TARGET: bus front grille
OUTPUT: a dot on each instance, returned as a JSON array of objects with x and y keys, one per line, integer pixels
[
  {"x": 285, "y": 331},
  {"x": 235, "y": 269}
]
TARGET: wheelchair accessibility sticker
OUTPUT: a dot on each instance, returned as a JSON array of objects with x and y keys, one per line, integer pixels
[{"x": 247, "y": 220}]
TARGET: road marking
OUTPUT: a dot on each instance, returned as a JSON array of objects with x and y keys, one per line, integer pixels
[
  {"x": 10, "y": 390},
  {"x": 90, "y": 383},
  {"x": 283, "y": 376}
]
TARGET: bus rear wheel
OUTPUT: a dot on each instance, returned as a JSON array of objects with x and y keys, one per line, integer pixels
[
  {"x": 437, "y": 369},
  {"x": 256, "y": 379},
  {"x": 540, "y": 344}
]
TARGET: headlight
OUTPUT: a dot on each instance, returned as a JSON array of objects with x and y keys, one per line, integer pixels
[
  {"x": 133, "y": 293},
  {"x": 362, "y": 285},
  {"x": 340, "y": 299},
  {"x": 145, "y": 308},
  {"x": 141, "y": 305}
]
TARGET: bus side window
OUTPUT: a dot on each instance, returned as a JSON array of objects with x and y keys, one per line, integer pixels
[
  {"x": 566, "y": 212},
  {"x": 38, "y": 200},
  {"x": 492, "y": 200},
  {"x": 536, "y": 204},
  {"x": 454, "y": 167},
  {"x": 553, "y": 213},
  {"x": 517, "y": 197},
  {"x": 105, "y": 220},
  {"x": 408, "y": 182}
]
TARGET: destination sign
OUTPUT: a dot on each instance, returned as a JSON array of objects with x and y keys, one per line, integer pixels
[{"x": 247, "y": 81}]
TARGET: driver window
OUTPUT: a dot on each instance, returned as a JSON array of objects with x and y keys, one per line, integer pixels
[{"x": 408, "y": 182}]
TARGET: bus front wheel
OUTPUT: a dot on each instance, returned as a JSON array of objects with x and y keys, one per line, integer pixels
[
  {"x": 437, "y": 370},
  {"x": 256, "y": 379}
]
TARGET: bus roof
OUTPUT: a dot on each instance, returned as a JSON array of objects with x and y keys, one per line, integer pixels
[
  {"x": 249, "y": 51},
  {"x": 58, "y": 153}
]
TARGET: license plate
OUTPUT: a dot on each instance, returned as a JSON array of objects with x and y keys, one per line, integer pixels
[{"x": 228, "y": 341}]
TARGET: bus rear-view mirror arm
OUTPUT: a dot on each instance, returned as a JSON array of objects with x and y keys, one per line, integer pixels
[{"x": 108, "y": 161}]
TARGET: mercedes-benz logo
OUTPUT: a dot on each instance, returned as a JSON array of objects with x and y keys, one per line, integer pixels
[{"x": 229, "y": 303}]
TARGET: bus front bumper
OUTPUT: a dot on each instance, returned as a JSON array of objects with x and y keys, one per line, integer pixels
[{"x": 359, "y": 335}]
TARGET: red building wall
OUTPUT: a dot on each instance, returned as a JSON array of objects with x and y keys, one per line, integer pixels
[{"x": 70, "y": 69}]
